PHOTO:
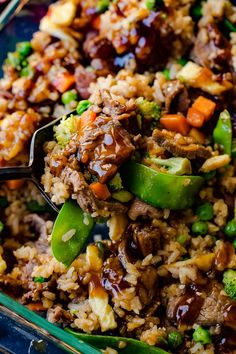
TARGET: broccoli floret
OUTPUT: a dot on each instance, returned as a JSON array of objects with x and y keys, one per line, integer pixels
[
  {"x": 147, "y": 109},
  {"x": 64, "y": 130},
  {"x": 115, "y": 183},
  {"x": 229, "y": 281}
]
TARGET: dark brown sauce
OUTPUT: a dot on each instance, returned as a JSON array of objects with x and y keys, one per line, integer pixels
[{"x": 113, "y": 276}]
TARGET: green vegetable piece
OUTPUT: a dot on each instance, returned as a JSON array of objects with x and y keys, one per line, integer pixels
[
  {"x": 70, "y": 232},
  {"x": 222, "y": 134},
  {"x": 69, "y": 96},
  {"x": 166, "y": 73},
  {"x": 101, "y": 248},
  {"x": 133, "y": 346},
  {"x": 230, "y": 228},
  {"x": 153, "y": 5},
  {"x": 3, "y": 202},
  {"x": 199, "y": 228},
  {"x": 24, "y": 48},
  {"x": 229, "y": 281},
  {"x": 102, "y": 5},
  {"x": 175, "y": 339},
  {"x": 27, "y": 72},
  {"x": 35, "y": 207},
  {"x": 182, "y": 61},
  {"x": 229, "y": 25},
  {"x": 122, "y": 196},
  {"x": 205, "y": 212},
  {"x": 115, "y": 184},
  {"x": 160, "y": 189},
  {"x": 1, "y": 226},
  {"x": 196, "y": 11},
  {"x": 182, "y": 239},
  {"x": 83, "y": 106},
  {"x": 202, "y": 335},
  {"x": 14, "y": 60},
  {"x": 147, "y": 109},
  {"x": 234, "y": 243},
  {"x": 233, "y": 152},
  {"x": 176, "y": 165},
  {"x": 209, "y": 175},
  {"x": 39, "y": 279},
  {"x": 65, "y": 129}
]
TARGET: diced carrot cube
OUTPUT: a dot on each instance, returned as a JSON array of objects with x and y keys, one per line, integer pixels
[
  {"x": 100, "y": 190},
  {"x": 63, "y": 81},
  {"x": 205, "y": 106},
  {"x": 15, "y": 183},
  {"x": 195, "y": 118},
  {"x": 176, "y": 123}
]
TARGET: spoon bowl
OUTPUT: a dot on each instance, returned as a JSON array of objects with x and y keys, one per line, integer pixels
[{"x": 35, "y": 169}]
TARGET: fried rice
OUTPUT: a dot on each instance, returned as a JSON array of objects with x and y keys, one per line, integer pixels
[{"x": 161, "y": 272}]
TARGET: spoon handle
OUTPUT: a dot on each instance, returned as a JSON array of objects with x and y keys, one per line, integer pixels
[{"x": 16, "y": 172}]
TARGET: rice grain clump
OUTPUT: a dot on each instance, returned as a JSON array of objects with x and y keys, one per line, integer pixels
[{"x": 147, "y": 159}]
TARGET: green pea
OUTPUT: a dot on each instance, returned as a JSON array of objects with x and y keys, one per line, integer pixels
[
  {"x": 199, "y": 228},
  {"x": 182, "y": 239},
  {"x": 196, "y": 11},
  {"x": 182, "y": 61},
  {"x": 39, "y": 279},
  {"x": 83, "y": 106},
  {"x": 205, "y": 212},
  {"x": 69, "y": 96},
  {"x": 24, "y": 48},
  {"x": 153, "y": 4},
  {"x": 202, "y": 335},
  {"x": 14, "y": 60},
  {"x": 234, "y": 243},
  {"x": 230, "y": 228},
  {"x": 27, "y": 72},
  {"x": 102, "y": 5},
  {"x": 175, "y": 339},
  {"x": 1, "y": 226},
  {"x": 166, "y": 73}
]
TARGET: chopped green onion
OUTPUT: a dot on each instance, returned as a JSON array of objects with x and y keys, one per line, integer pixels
[
  {"x": 39, "y": 279},
  {"x": 1, "y": 226},
  {"x": 27, "y": 72},
  {"x": 103, "y": 5},
  {"x": 166, "y": 73},
  {"x": 14, "y": 60},
  {"x": 202, "y": 335}
]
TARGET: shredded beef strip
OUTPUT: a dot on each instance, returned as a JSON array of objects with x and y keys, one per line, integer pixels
[
  {"x": 179, "y": 145},
  {"x": 85, "y": 198},
  {"x": 139, "y": 208},
  {"x": 176, "y": 96}
]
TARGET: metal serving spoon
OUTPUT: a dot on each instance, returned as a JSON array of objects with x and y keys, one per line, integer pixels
[{"x": 34, "y": 171}]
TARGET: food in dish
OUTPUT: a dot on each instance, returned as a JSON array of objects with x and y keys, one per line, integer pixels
[{"x": 149, "y": 151}]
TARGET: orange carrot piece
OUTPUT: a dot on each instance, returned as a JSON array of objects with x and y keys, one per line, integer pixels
[
  {"x": 176, "y": 123},
  {"x": 100, "y": 190},
  {"x": 36, "y": 306},
  {"x": 15, "y": 183},
  {"x": 86, "y": 119},
  {"x": 63, "y": 81},
  {"x": 96, "y": 22},
  {"x": 197, "y": 135},
  {"x": 205, "y": 106},
  {"x": 195, "y": 118}
]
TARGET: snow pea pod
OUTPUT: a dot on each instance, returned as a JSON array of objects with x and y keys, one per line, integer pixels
[
  {"x": 162, "y": 190},
  {"x": 70, "y": 232},
  {"x": 133, "y": 346},
  {"x": 222, "y": 134},
  {"x": 234, "y": 148}
]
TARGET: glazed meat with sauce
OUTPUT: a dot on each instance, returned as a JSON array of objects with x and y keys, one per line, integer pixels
[{"x": 179, "y": 145}]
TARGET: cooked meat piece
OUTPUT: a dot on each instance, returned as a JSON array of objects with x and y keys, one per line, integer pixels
[
  {"x": 104, "y": 146},
  {"x": 217, "y": 308},
  {"x": 147, "y": 285},
  {"x": 139, "y": 208},
  {"x": 85, "y": 197},
  {"x": 96, "y": 46},
  {"x": 147, "y": 238},
  {"x": 205, "y": 306},
  {"x": 114, "y": 108},
  {"x": 113, "y": 274},
  {"x": 176, "y": 96},
  {"x": 58, "y": 315},
  {"x": 212, "y": 49},
  {"x": 83, "y": 78},
  {"x": 179, "y": 145}
]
